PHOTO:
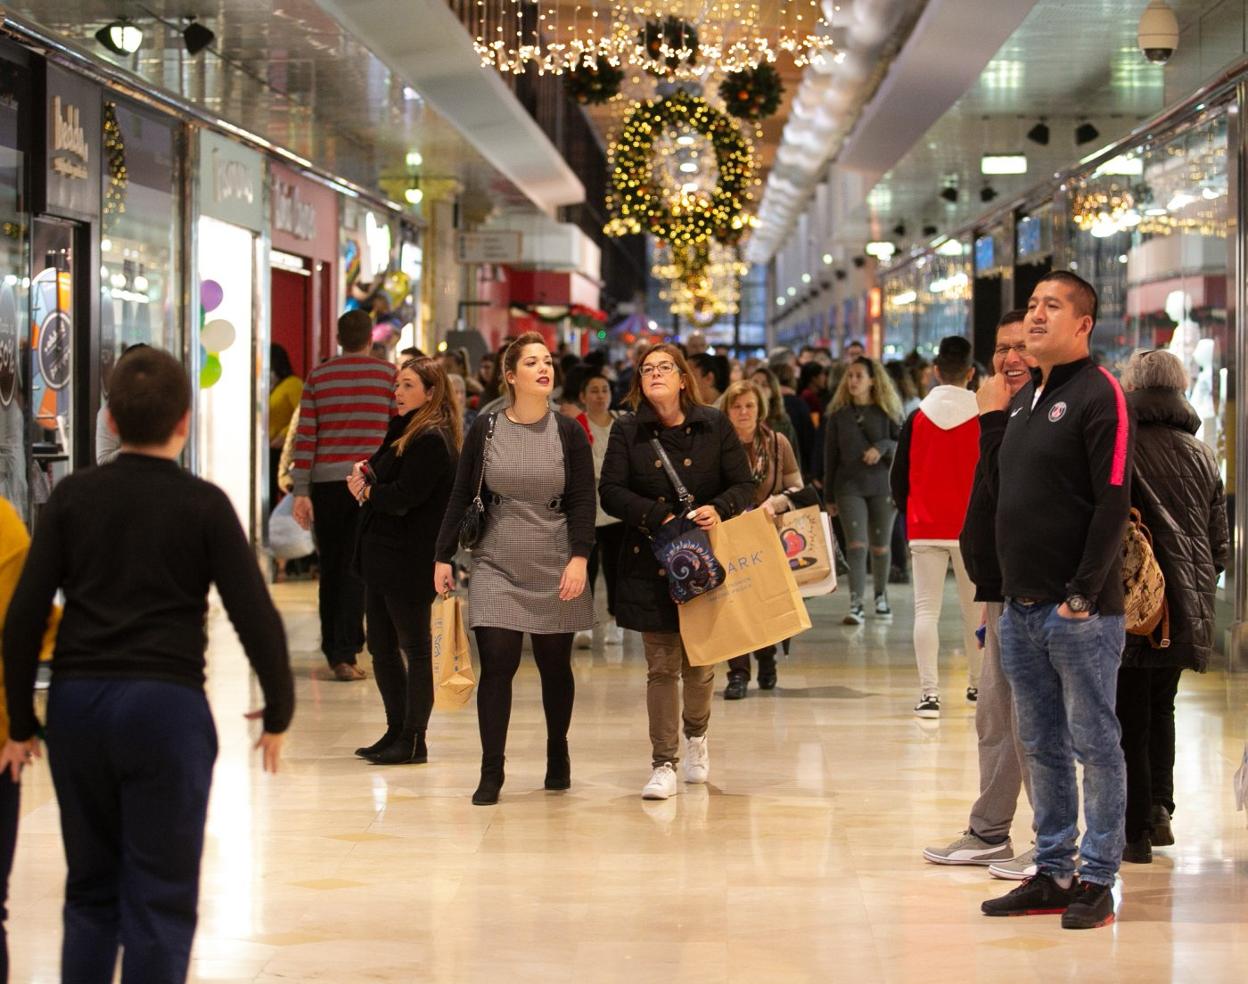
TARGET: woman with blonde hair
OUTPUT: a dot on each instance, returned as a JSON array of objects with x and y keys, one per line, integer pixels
[
  {"x": 403, "y": 490},
  {"x": 775, "y": 471},
  {"x": 775, "y": 415},
  {"x": 706, "y": 454},
  {"x": 863, "y": 424}
]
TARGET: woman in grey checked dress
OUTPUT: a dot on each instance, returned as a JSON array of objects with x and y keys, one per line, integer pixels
[{"x": 536, "y": 474}]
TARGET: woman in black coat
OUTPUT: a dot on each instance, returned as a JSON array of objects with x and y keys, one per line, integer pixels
[
  {"x": 1178, "y": 490},
  {"x": 403, "y": 490},
  {"x": 711, "y": 462}
]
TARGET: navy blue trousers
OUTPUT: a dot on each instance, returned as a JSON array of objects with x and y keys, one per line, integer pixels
[
  {"x": 10, "y": 797},
  {"x": 132, "y": 765}
]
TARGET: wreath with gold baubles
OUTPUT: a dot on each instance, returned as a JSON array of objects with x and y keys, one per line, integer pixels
[
  {"x": 594, "y": 83},
  {"x": 752, "y": 93},
  {"x": 639, "y": 203},
  {"x": 670, "y": 42}
]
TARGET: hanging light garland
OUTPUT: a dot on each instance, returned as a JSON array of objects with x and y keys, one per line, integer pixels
[
  {"x": 679, "y": 39},
  {"x": 115, "y": 154}
]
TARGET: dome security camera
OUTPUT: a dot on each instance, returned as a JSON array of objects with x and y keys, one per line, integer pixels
[{"x": 1158, "y": 35}]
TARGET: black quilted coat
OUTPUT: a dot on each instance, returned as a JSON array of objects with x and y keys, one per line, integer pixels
[{"x": 1177, "y": 488}]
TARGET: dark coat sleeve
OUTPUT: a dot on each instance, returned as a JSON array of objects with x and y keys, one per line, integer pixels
[
  {"x": 579, "y": 501},
  {"x": 1219, "y": 534},
  {"x": 421, "y": 468},
  {"x": 887, "y": 444},
  {"x": 463, "y": 491},
  {"x": 831, "y": 454},
  {"x": 618, "y": 498},
  {"x": 899, "y": 474},
  {"x": 734, "y": 474}
]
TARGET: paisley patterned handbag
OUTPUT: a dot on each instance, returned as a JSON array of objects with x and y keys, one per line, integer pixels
[{"x": 682, "y": 547}]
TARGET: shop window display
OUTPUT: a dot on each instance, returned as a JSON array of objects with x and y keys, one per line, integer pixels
[
  {"x": 14, "y": 291},
  {"x": 901, "y": 296},
  {"x": 944, "y": 304}
]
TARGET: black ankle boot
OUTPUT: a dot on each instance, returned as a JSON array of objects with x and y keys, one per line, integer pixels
[
  {"x": 767, "y": 674},
  {"x": 491, "y": 781},
  {"x": 558, "y": 765},
  {"x": 367, "y": 751},
  {"x": 404, "y": 750},
  {"x": 738, "y": 685}
]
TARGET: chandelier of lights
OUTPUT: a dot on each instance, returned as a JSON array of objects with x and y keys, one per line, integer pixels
[
  {"x": 675, "y": 39},
  {"x": 702, "y": 280}
]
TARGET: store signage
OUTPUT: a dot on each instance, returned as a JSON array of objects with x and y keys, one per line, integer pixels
[
  {"x": 230, "y": 177},
  {"x": 291, "y": 214},
  {"x": 495, "y": 246},
  {"x": 72, "y": 144}
]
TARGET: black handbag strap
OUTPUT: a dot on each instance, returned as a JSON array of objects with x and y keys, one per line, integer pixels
[
  {"x": 489, "y": 436},
  {"x": 682, "y": 493}
]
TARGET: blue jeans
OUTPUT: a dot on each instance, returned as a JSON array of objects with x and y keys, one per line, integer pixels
[{"x": 1064, "y": 673}]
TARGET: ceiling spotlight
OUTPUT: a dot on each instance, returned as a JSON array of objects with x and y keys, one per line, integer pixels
[
  {"x": 987, "y": 194},
  {"x": 860, "y": 261},
  {"x": 197, "y": 37},
  {"x": 827, "y": 259},
  {"x": 414, "y": 158},
  {"x": 899, "y": 230},
  {"x": 1086, "y": 133},
  {"x": 120, "y": 37},
  {"x": 950, "y": 194},
  {"x": 841, "y": 274},
  {"x": 1039, "y": 134},
  {"x": 414, "y": 195},
  {"x": 929, "y": 231}
]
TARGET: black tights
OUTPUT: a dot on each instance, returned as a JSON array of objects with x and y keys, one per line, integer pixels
[{"x": 499, "y": 651}]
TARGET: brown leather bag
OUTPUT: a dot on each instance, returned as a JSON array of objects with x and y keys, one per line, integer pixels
[{"x": 1144, "y": 585}]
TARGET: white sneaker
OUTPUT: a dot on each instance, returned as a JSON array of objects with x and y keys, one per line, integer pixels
[
  {"x": 662, "y": 783},
  {"x": 584, "y": 640},
  {"x": 613, "y": 635},
  {"x": 1021, "y": 867},
  {"x": 697, "y": 760}
]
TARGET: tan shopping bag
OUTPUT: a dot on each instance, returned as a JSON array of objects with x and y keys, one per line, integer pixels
[
  {"x": 757, "y": 605},
  {"x": 453, "y": 679},
  {"x": 801, "y": 535},
  {"x": 816, "y": 589}
]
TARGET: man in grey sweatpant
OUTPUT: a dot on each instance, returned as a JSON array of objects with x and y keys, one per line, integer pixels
[{"x": 1002, "y": 766}]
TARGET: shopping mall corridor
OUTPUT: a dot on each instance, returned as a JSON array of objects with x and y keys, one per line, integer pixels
[{"x": 799, "y": 862}]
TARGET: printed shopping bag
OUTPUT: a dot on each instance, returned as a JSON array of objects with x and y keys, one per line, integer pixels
[
  {"x": 453, "y": 679},
  {"x": 814, "y": 589},
  {"x": 806, "y": 547},
  {"x": 758, "y": 604}
]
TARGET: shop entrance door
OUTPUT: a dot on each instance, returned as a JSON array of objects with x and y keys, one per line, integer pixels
[{"x": 60, "y": 437}]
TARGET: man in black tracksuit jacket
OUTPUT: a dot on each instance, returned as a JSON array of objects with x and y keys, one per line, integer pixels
[{"x": 1064, "y": 495}]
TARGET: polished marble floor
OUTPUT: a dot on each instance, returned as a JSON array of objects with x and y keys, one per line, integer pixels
[{"x": 799, "y": 862}]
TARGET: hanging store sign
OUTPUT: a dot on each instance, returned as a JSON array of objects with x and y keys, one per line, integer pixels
[
  {"x": 72, "y": 179},
  {"x": 304, "y": 218},
  {"x": 496, "y": 246},
  {"x": 231, "y": 182}
]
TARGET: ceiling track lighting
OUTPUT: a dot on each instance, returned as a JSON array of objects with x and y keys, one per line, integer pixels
[
  {"x": 1039, "y": 134},
  {"x": 196, "y": 37},
  {"x": 929, "y": 231},
  {"x": 1085, "y": 133},
  {"x": 121, "y": 37},
  {"x": 987, "y": 194},
  {"x": 950, "y": 194},
  {"x": 899, "y": 230}
]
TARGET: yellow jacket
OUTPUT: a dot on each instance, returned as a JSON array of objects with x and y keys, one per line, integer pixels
[{"x": 14, "y": 545}]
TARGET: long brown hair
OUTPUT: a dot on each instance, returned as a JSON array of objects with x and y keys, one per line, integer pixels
[
  {"x": 690, "y": 396},
  {"x": 511, "y": 358},
  {"x": 883, "y": 392},
  {"x": 439, "y": 411}
]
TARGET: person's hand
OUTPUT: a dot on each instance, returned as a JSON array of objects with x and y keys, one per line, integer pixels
[
  {"x": 993, "y": 395},
  {"x": 302, "y": 511},
  {"x": 769, "y": 510},
  {"x": 831, "y": 508},
  {"x": 1064, "y": 611},
  {"x": 16, "y": 755},
  {"x": 575, "y": 577},
  {"x": 443, "y": 579},
  {"x": 871, "y": 456},
  {"x": 356, "y": 486},
  {"x": 705, "y": 516},
  {"x": 270, "y": 745}
]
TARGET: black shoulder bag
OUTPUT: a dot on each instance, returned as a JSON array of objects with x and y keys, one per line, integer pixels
[
  {"x": 682, "y": 547},
  {"x": 474, "y": 516}
]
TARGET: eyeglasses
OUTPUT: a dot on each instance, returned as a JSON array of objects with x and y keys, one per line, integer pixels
[
  {"x": 658, "y": 369},
  {"x": 1005, "y": 350}
]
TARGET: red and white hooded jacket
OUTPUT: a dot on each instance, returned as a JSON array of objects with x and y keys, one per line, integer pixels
[{"x": 934, "y": 465}]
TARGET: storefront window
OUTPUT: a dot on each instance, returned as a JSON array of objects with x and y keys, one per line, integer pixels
[
  {"x": 901, "y": 297},
  {"x": 141, "y": 234},
  {"x": 14, "y": 290},
  {"x": 944, "y": 306}
]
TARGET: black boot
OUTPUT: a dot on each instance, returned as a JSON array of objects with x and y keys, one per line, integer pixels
[
  {"x": 738, "y": 684},
  {"x": 491, "y": 781},
  {"x": 558, "y": 764},
  {"x": 404, "y": 750},
  {"x": 391, "y": 680},
  {"x": 1138, "y": 851},
  {"x": 367, "y": 751},
  {"x": 767, "y": 674}
]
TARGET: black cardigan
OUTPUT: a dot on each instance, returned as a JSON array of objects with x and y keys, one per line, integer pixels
[
  {"x": 580, "y": 503},
  {"x": 404, "y": 511}
]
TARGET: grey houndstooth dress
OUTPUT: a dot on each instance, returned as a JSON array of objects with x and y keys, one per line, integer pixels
[{"x": 518, "y": 563}]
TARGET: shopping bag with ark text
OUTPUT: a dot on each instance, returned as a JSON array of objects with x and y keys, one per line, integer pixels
[{"x": 453, "y": 679}]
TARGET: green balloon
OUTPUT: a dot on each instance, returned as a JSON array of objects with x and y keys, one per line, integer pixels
[{"x": 210, "y": 372}]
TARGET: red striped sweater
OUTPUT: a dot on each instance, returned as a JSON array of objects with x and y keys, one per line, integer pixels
[{"x": 346, "y": 406}]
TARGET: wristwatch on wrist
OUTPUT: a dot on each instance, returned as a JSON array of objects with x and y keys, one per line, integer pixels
[{"x": 1078, "y": 604}]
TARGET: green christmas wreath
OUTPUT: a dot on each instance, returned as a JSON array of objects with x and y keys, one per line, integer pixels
[
  {"x": 637, "y": 200},
  {"x": 591, "y": 84},
  {"x": 752, "y": 93},
  {"x": 676, "y": 36}
]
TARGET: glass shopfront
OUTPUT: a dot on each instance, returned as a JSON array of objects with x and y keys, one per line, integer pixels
[{"x": 14, "y": 285}]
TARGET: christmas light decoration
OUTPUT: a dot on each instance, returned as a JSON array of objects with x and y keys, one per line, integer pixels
[{"x": 115, "y": 155}]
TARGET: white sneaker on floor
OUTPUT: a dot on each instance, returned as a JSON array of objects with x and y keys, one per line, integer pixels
[
  {"x": 697, "y": 760},
  {"x": 584, "y": 640},
  {"x": 613, "y": 635},
  {"x": 928, "y": 706},
  {"x": 1021, "y": 867},
  {"x": 970, "y": 849},
  {"x": 662, "y": 783}
]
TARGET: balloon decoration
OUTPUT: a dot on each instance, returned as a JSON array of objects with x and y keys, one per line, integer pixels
[{"x": 215, "y": 336}]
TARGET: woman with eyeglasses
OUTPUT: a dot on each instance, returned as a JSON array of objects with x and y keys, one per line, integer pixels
[
  {"x": 711, "y": 462},
  {"x": 530, "y": 568}
]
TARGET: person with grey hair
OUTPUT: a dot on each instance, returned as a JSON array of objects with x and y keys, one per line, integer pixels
[{"x": 1178, "y": 490}]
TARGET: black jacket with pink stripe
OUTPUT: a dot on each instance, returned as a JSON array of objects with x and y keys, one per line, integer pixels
[{"x": 1064, "y": 488}]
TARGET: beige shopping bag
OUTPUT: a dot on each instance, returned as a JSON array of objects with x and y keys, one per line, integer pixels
[
  {"x": 453, "y": 679},
  {"x": 816, "y": 589},
  {"x": 801, "y": 535},
  {"x": 757, "y": 605}
]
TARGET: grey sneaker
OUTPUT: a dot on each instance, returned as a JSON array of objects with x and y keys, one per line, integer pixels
[
  {"x": 1023, "y": 866},
  {"x": 969, "y": 849}
]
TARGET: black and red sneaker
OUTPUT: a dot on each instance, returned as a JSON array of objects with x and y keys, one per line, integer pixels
[
  {"x": 1038, "y": 895},
  {"x": 1091, "y": 908}
]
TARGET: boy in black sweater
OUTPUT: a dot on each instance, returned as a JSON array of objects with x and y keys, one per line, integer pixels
[{"x": 135, "y": 546}]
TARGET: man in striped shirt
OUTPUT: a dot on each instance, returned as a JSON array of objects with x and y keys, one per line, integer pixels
[{"x": 347, "y": 404}]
